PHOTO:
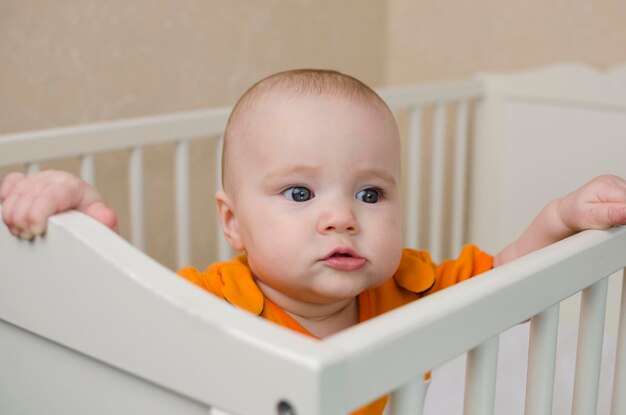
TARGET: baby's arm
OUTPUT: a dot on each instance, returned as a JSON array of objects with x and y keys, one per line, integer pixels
[
  {"x": 28, "y": 201},
  {"x": 599, "y": 204}
]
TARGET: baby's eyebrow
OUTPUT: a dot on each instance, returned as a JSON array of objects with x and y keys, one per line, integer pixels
[
  {"x": 381, "y": 174},
  {"x": 313, "y": 170},
  {"x": 290, "y": 170}
]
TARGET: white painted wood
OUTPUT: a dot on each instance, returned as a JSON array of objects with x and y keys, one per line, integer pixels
[
  {"x": 537, "y": 127},
  {"x": 536, "y": 118},
  {"x": 136, "y": 197},
  {"x": 437, "y": 183},
  {"x": 183, "y": 224},
  {"x": 224, "y": 251},
  {"x": 596, "y": 88},
  {"x": 414, "y": 179},
  {"x": 331, "y": 377},
  {"x": 408, "y": 399},
  {"x": 113, "y": 135},
  {"x": 32, "y": 167},
  {"x": 618, "y": 402},
  {"x": 417, "y": 95},
  {"x": 460, "y": 177},
  {"x": 480, "y": 380},
  {"x": 100, "y": 298},
  {"x": 461, "y": 317},
  {"x": 39, "y": 376},
  {"x": 589, "y": 352},
  {"x": 541, "y": 362},
  {"x": 88, "y": 169}
]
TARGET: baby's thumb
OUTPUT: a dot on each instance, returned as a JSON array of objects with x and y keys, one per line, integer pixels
[{"x": 102, "y": 213}]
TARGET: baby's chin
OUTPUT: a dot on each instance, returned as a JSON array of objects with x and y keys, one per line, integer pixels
[{"x": 340, "y": 291}]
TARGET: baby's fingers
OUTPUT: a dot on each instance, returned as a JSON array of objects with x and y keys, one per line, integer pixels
[
  {"x": 8, "y": 183},
  {"x": 14, "y": 214},
  {"x": 102, "y": 213},
  {"x": 606, "y": 215}
]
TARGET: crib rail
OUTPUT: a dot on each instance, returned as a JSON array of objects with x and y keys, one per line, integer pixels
[
  {"x": 133, "y": 135},
  {"x": 468, "y": 316},
  {"x": 279, "y": 368},
  {"x": 85, "y": 140}
]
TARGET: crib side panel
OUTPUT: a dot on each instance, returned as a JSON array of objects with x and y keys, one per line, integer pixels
[
  {"x": 39, "y": 376},
  {"x": 425, "y": 334},
  {"x": 92, "y": 302},
  {"x": 538, "y": 135}
]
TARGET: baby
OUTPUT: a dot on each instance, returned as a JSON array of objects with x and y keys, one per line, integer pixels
[{"x": 311, "y": 194}]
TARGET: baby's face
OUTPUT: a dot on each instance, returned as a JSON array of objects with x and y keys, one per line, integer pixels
[{"x": 317, "y": 198}]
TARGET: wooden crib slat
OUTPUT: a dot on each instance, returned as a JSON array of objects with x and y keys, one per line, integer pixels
[
  {"x": 136, "y": 186},
  {"x": 412, "y": 213},
  {"x": 618, "y": 403},
  {"x": 32, "y": 167},
  {"x": 541, "y": 361},
  {"x": 88, "y": 169},
  {"x": 480, "y": 379},
  {"x": 408, "y": 399},
  {"x": 223, "y": 248},
  {"x": 181, "y": 172},
  {"x": 589, "y": 352},
  {"x": 436, "y": 207},
  {"x": 460, "y": 174}
]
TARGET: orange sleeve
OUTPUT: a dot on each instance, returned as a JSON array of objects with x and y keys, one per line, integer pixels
[
  {"x": 472, "y": 261},
  {"x": 198, "y": 278},
  {"x": 231, "y": 281}
]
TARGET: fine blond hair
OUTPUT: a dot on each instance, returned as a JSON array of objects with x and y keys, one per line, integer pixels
[{"x": 297, "y": 82}]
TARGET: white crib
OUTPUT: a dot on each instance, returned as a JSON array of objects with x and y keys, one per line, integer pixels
[{"x": 90, "y": 324}]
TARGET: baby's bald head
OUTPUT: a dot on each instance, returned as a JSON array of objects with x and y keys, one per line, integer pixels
[{"x": 294, "y": 83}]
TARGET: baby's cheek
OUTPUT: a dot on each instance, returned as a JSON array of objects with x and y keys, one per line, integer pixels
[{"x": 390, "y": 251}]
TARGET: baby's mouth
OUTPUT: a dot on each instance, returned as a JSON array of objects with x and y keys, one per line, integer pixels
[{"x": 344, "y": 260}]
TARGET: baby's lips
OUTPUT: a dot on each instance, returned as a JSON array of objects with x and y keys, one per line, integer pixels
[{"x": 343, "y": 251}]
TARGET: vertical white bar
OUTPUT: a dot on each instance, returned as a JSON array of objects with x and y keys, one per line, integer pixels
[
  {"x": 589, "y": 352},
  {"x": 480, "y": 379},
  {"x": 224, "y": 252},
  {"x": 408, "y": 399},
  {"x": 414, "y": 191},
  {"x": 437, "y": 182},
  {"x": 182, "y": 203},
  {"x": 87, "y": 169},
  {"x": 460, "y": 183},
  {"x": 541, "y": 361},
  {"x": 135, "y": 187},
  {"x": 618, "y": 403},
  {"x": 32, "y": 167}
]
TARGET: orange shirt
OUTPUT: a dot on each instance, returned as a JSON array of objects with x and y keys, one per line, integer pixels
[{"x": 416, "y": 277}]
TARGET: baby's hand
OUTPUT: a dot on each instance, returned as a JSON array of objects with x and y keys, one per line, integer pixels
[
  {"x": 28, "y": 201},
  {"x": 599, "y": 204}
]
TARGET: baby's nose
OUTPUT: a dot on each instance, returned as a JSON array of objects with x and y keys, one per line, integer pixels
[{"x": 338, "y": 218}]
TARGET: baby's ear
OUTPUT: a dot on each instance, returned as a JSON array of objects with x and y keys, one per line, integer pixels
[{"x": 228, "y": 220}]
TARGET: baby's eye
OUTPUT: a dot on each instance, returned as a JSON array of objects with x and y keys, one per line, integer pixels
[
  {"x": 298, "y": 194},
  {"x": 369, "y": 195}
]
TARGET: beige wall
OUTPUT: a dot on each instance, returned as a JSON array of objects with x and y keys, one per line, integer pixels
[
  {"x": 74, "y": 61},
  {"x": 431, "y": 40}
]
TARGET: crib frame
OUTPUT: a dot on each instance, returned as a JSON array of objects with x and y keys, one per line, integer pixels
[{"x": 331, "y": 377}]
